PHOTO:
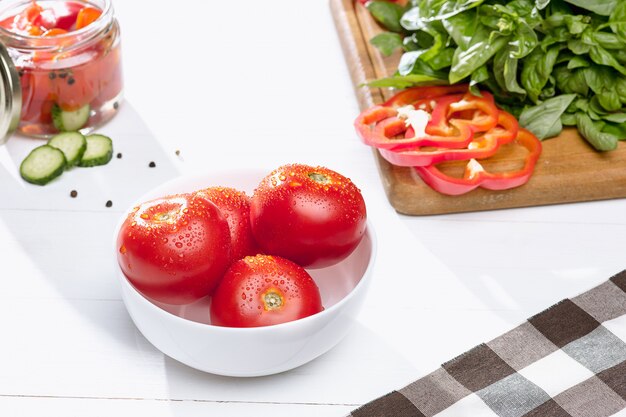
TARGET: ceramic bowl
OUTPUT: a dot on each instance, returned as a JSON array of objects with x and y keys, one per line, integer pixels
[{"x": 186, "y": 334}]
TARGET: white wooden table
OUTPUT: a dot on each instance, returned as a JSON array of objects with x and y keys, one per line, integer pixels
[{"x": 257, "y": 84}]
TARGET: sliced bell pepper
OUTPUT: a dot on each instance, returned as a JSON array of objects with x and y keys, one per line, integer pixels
[
  {"x": 480, "y": 113},
  {"x": 415, "y": 94},
  {"x": 481, "y": 147},
  {"x": 476, "y": 176},
  {"x": 382, "y": 126}
]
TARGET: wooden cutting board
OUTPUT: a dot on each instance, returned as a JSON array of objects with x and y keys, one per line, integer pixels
[{"x": 569, "y": 170}]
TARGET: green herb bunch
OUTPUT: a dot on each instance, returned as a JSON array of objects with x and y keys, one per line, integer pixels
[{"x": 549, "y": 62}]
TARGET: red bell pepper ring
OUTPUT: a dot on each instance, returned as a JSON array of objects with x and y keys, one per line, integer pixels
[
  {"x": 476, "y": 176},
  {"x": 381, "y": 126},
  {"x": 480, "y": 148},
  {"x": 415, "y": 94},
  {"x": 482, "y": 112}
]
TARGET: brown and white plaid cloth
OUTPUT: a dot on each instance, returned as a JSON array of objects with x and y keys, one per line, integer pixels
[{"x": 568, "y": 361}]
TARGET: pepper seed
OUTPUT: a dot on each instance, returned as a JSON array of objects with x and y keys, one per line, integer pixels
[
  {"x": 71, "y": 80},
  {"x": 52, "y": 75}
]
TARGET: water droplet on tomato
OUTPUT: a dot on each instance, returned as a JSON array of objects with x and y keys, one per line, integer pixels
[
  {"x": 179, "y": 245},
  {"x": 243, "y": 295}
]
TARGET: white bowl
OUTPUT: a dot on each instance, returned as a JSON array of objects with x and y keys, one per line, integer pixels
[{"x": 185, "y": 333}]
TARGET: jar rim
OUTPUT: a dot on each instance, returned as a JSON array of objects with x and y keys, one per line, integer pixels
[{"x": 22, "y": 41}]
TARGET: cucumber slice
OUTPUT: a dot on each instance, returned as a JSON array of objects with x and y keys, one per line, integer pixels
[
  {"x": 99, "y": 151},
  {"x": 72, "y": 144},
  {"x": 67, "y": 121},
  {"x": 42, "y": 165}
]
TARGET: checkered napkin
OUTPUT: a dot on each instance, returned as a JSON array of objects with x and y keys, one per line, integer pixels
[{"x": 568, "y": 361}]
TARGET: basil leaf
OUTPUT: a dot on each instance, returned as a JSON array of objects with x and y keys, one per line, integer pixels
[
  {"x": 571, "y": 82},
  {"x": 568, "y": 119},
  {"x": 427, "y": 11},
  {"x": 442, "y": 60},
  {"x": 578, "y": 47},
  {"x": 601, "y": 7},
  {"x": 620, "y": 87},
  {"x": 536, "y": 71},
  {"x": 413, "y": 19},
  {"x": 525, "y": 40},
  {"x": 505, "y": 72},
  {"x": 405, "y": 81},
  {"x": 601, "y": 56},
  {"x": 407, "y": 61},
  {"x": 618, "y": 21},
  {"x": 417, "y": 40},
  {"x": 609, "y": 100},
  {"x": 386, "y": 13},
  {"x": 482, "y": 47},
  {"x": 462, "y": 27},
  {"x": 541, "y": 4},
  {"x": 608, "y": 40},
  {"x": 577, "y": 62},
  {"x": 387, "y": 42},
  {"x": 592, "y": 131},
  {"x": 598, "y": 78},
  {"x": 576, "y": 24},
  {"x": 544, "y": 119},
  {"x": 453, "y": 8},
  {"x": 478, "y": 76},
  {"x": 617, "y": 130},
  {"x": 596, "y": 107},
  {"x": 439, "y": 39},
  {"x": 615, "y": 118}
]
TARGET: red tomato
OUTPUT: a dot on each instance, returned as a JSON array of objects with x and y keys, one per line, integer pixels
[
  {"x": 235, "y": 206},
  {"x": 312, "y": 216},
  {"x": 263, "y": 290},
  {"x": 174, "y": 249}
]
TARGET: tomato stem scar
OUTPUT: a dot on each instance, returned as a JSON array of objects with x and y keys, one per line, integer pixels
[
  {"x": 272, "y": 300},
  {"x": 317, "y": 177}
]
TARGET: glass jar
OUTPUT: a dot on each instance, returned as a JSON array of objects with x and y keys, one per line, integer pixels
[{"x": 68, "y": 81}]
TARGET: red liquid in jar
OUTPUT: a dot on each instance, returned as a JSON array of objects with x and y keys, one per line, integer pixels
[{"x": 73, "y": 71}]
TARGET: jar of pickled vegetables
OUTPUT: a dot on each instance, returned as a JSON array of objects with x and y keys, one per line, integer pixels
[{"x": 60, "y": 63}]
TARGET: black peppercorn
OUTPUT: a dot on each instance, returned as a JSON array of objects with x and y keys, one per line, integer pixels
[
  {"x": 73, "y": 193},
  {"x": 109, "y": 203},
  {"x": 152, "y": 164}
]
